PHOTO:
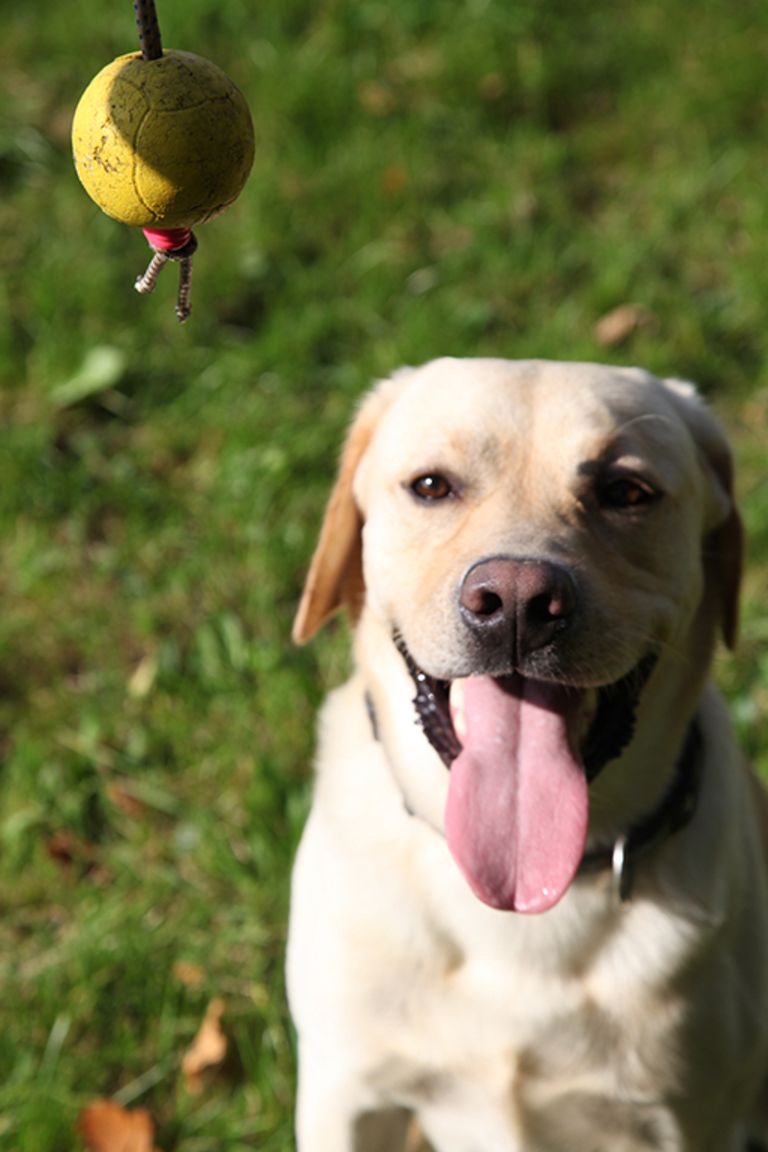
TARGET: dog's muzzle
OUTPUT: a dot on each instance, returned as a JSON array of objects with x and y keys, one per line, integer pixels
[{"x": 610, "y": 732}]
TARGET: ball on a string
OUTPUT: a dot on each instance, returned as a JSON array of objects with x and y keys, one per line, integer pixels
[{"x": 165, "y": 143}]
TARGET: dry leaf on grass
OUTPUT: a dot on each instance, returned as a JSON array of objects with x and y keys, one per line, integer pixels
[
  {"x": 124, "y": 800},
  {"x": 208, "y": 1048},
  {"x": 66, "y": 849},
  {"x": 142, "y": 679},
  {"x": 72, "y": 852},
  {"x": 188, "y": 974},
  {"x": 107, "y": 1127},
  {"x": 375, "y": 98},
  {"x": 619, "y": 324}
]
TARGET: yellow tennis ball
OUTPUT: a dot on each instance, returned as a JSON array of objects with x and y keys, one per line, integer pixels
[{"x": 165, "y": 143}]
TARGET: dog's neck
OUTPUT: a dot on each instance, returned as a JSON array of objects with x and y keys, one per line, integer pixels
[
  {"x": 668, "y": 816},
  {"x": 674, "y": 810}
]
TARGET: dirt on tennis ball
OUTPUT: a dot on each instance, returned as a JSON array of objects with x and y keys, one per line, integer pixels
[{"x": 165, "y": 143}]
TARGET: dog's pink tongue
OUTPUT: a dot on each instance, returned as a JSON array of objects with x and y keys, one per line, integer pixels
[{"x": 516, "y": 816}]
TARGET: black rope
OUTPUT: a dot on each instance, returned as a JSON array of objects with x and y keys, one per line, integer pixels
[{"x": 149, "y": 29}]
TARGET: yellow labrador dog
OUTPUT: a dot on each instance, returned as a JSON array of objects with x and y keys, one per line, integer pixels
[{"x": 530, "y": 908}]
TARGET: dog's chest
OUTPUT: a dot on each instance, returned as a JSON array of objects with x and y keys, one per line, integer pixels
[
  {"x": 449, "y": 996},
  {"x": 511, "y": 1044},
  {"x": 467, "y": 1020}
]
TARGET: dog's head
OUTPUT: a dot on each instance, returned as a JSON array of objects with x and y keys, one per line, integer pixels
[{"x": 538, "y": 541}]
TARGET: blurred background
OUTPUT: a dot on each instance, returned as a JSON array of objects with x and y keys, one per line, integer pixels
[{"x": 581, "y": 180}]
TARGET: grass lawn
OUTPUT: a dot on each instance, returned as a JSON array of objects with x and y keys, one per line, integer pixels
[{"x": 481, "y": 177}]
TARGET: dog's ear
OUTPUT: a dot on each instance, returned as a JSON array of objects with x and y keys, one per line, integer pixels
[
  {"x": 335, "y": 577},
  {"x": 723, "y": 549},
  {"x": 724, "y": 554}
]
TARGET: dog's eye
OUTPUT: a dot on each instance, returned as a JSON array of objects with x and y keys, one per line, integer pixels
[
  {"x": 432, "y": 486},
  {"x": 627, "y": 492}
]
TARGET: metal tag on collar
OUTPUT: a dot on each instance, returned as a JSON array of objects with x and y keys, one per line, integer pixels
[{"x": 621, "y": 867}]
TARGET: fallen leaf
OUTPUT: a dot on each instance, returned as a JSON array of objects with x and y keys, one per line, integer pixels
[
  {"x": 375, "y": 98},
  {"x": 208, "y": 1048},
  {"x": 492, "y": 87},
  {"x": 188, "y": 974},
  {"x": 143, "y": 677},
  {"x": 69, "y": 851},
  {"x": 107, "y": 1127},
  {"x": 127, "y": 803},
  {"x": 394, "y": 179},
  {"x": 619, "y": 324},
  {"x": 103, "y": 367}
]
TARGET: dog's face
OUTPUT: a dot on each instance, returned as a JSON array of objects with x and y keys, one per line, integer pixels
[
  {"x": 538, "y": 539},
  {"x": 593, "y": 474}
]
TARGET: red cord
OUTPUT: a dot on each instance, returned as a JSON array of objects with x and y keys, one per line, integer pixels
[{"x": 168, "y": 239}]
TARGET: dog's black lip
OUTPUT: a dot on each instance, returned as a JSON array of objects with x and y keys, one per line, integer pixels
[
  {"x": 613, "y": 726},
  {"x": 610, "y": 732},
  {"x": 431, "y": 704}
]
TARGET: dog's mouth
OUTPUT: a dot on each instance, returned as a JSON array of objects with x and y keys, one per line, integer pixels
[
  {"x": 521, "y": 754},
  {"x": 607, "y": 730}
]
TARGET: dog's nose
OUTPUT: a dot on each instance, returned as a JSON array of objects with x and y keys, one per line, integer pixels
[{"x": 519, "y": 604}]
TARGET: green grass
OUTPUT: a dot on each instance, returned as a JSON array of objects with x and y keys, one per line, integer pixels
[{"x": 475, "y": 178}]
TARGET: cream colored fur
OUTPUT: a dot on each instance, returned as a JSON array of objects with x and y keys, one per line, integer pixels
[{"x": 595, "y": 1026}]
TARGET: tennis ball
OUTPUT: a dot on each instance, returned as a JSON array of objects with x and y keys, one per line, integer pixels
[{"x": 165, "y": 143}]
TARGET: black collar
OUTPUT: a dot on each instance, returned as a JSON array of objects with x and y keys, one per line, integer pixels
[{"x": 671, "y": 814}]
